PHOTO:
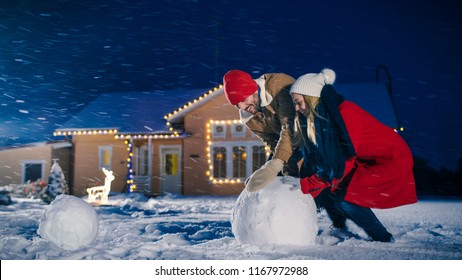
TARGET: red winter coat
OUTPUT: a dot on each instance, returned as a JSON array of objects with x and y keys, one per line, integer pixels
[{"x": 390, "y": 181}]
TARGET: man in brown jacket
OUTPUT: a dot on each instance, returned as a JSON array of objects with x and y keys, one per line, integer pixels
[{"x": 266, "y": 108}]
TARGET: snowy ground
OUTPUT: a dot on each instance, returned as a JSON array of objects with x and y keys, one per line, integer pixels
[{"x": 198, "y": 228}]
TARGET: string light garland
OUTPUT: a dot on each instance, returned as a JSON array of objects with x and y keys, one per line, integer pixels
[
  {"x": 131, "y": 187},
  {"x": 189, "y": 104},
  {"x": 84, "y": 132},
  {"x": 174, "y": 134}
]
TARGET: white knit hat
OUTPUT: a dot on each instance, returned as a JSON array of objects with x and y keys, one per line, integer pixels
[{"x": 312, "y": 84}]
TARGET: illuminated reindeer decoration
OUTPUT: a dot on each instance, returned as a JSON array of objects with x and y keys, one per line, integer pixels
[{"x": 101, "y": 192}]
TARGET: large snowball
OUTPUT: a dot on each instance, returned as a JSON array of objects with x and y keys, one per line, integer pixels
[
  {"x": 275, "y": 215},
  {"x": 69, "y": 222}
]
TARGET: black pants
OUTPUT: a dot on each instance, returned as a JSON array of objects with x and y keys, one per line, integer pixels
[{"x": 339, "y": 210}]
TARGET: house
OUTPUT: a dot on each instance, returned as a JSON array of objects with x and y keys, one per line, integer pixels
[
  {"x": 198, "y": 148},
  {"x": 30, "y": 162}
]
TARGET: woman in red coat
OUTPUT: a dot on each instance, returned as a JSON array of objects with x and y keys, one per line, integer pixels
[{"x": 352, "y": 162}]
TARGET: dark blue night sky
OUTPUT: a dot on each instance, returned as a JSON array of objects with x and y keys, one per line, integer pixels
[{"x": 56, "y": 56}]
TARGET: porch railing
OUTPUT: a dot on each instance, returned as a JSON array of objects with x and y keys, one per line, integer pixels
[{"x": 143, "y": 184}]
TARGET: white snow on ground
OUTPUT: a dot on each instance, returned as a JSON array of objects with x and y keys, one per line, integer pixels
[{"x": 170, "y": 227}]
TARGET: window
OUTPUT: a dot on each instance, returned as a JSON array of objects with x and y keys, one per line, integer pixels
[
  {"x": 219, "y": 162},
  {"x": 231, "y": 160},
  {"x": 142, "y": 161},
  {"x": 171, "y": 164},
  {"x": 32, "y": 171},
  {"x": 258, "y": 157},
  {"x": 239, "y": 161},
  {"x": 105, "y": 157},
  {"x": 218, "y": 130},
  {"x": 238, "y": 130}
]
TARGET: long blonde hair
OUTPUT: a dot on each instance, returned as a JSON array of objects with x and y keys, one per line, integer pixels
[{"x": 310, "y": 102}]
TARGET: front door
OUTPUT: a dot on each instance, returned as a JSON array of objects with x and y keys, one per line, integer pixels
[{"x": 170, "y": 169}]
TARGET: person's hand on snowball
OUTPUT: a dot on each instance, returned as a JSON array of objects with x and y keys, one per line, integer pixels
[
  {"x": 292, "y": 181},
  {"x": 260, "y": 178}
]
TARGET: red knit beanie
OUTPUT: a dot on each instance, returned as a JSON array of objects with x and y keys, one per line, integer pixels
[{"x": 238, "y": 85}]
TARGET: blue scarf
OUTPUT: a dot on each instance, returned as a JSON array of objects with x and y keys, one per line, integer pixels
[{"x": 333, "y": 144}]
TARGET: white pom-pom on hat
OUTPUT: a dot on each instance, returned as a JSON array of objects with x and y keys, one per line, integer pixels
[
  {"x": 330, "y": 76},
  {"x": 312, "y": 84}
]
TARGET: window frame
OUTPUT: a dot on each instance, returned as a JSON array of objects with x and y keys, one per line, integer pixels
[
  {"x": 229, "y": 145},
  {"x": 101, "y": 159},
  {"x": 142, "y": 160},
  {"x": 215, "y": 133},
  {"x": 23, "y": 169},
  {"x": 237, "y": 134}
]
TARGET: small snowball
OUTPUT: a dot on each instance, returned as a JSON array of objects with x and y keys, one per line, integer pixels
[
  {"x": 69, "y": 222},
  {"x": 275, "y": 215}
]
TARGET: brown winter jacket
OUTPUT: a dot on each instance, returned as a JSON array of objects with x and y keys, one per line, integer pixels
[{"x": 280, "y": 112}]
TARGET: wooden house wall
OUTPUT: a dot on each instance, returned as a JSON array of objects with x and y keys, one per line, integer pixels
[
  {"x": 11, "y": 159},
  {"x": 86, "y": 172},
  {"x": 11, "y": 168}
]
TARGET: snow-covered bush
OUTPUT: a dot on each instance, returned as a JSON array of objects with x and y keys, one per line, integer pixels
[
  {"x": 56, "y": 184},
  {"x": 27, "y": 190},
  {"x": 5, "y": 198}
]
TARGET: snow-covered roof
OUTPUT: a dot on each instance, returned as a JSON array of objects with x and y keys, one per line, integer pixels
[
  {"x": 153, "y": 112},
  {"x": 54, "y": 145},
  {"x": 131, "y": 112},
  {"x": 178, "y": 114}
]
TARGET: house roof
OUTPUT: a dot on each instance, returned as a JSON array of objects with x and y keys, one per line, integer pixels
[
  {"x": 178, "y": 114},
  {"x": 153, "y": 112},
  {"x": 54, "y": 145},
  {"x": 373, "y": 97},
  {"x": 130, "y": 112}
]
